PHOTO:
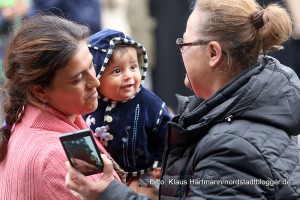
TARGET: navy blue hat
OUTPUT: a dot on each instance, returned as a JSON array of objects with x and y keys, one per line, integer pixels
[{"x": 102, "y": 44}]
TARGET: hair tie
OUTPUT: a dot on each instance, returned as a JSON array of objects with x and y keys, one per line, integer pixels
[
  {"x": 6, "y": 125},
  {"x": 257, "y": 19}
]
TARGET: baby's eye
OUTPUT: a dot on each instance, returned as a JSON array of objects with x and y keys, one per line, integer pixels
[
  {"x": 116, "y": 71},
  {"x": 133, "y": 66}
]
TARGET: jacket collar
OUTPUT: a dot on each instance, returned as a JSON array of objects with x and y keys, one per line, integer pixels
[{"x": 50, "y": 119}]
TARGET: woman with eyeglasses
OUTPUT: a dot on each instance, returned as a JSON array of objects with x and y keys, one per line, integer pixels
[{"x": 236, "y": 137}]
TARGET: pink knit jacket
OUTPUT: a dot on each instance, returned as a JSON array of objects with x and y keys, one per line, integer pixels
[{"x": 34, "y": 168}]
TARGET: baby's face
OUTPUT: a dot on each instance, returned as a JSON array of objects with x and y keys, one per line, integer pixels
[{"x": 121, "y": 78}]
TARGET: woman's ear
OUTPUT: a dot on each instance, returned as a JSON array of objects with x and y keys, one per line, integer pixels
[
  {"x": 215, "y": 53},
  {"x": 39, "y": 92}
]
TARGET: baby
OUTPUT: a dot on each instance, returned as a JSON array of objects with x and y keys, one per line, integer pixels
[{"x": 130, "y": 120}]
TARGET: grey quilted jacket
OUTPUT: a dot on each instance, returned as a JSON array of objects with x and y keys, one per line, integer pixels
[{"x": 239, "y": 144}]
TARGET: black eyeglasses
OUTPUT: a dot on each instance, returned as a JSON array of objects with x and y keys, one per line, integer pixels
[{"x": 180, "y": 43}]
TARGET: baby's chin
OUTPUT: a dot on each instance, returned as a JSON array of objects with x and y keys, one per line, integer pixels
[{"x": 126, "y": 98}]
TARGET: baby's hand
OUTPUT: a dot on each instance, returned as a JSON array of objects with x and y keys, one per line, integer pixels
[{"x": 156, "y": 173}]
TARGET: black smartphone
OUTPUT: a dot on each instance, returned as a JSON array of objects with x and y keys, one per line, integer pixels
[{"x": 82, "y": 151}]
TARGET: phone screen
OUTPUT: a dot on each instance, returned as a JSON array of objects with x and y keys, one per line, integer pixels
[{"x": 82, "y": 151}]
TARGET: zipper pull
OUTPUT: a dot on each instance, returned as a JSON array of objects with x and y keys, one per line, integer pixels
[{"x": 229, "y": 118}]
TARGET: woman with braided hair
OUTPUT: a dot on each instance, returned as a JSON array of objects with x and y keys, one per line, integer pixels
[
  {"x": 50, "y": 83},
  {"x": 236, "y": 137}
]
